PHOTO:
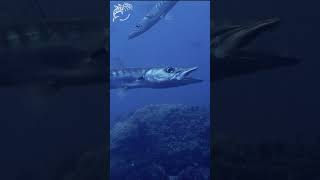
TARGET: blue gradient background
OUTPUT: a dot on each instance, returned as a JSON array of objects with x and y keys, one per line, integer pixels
[{"x": 182, "y": 39}]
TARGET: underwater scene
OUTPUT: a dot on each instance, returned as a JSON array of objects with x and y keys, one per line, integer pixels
[
  {"x": 160, "y": 90},
  {"x": 55, "y": 90}
]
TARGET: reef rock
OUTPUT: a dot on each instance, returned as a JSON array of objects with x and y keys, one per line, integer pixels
[
  {"x": 165, "y": 139},
  {"x": 158, "y": 142}
]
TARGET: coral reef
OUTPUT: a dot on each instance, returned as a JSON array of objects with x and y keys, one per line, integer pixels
[
  {"x": 170, "y": 137},
  {"x": 171, "y": 142}
]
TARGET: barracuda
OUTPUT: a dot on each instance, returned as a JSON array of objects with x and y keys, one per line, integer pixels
[
  {"x": 152, "y": 17},
  {"x": 228, "y": 40},
  {"x": 131, "y": 78},
  {"x": 231, "y": 58}
]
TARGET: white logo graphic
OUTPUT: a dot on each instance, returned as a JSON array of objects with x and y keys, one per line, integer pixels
[{"x": 122, "y": 8}]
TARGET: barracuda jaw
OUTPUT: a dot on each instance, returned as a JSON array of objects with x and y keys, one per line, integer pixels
[{"x": 184, "y": 73}]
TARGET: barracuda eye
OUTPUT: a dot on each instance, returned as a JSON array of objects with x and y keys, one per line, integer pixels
[{"x": 170, "y": 69}]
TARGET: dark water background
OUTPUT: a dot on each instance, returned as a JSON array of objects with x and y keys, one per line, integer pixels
[
  {"x": 281, "y": 104},
  {"x": 40, "y": 133},
  {"x": 182, "y": 40}
]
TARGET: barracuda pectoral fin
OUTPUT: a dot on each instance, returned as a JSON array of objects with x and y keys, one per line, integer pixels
[{"x": 135, "y": 83}]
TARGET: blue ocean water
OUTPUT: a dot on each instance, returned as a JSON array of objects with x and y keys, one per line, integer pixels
[{"x": 181, "y": 39}]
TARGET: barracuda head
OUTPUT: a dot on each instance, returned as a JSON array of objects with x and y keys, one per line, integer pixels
[{"x": 170, "y": 77}]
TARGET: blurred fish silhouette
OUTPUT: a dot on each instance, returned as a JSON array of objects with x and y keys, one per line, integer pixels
[
  {"x": 52, "y": 53},
  {"x": 231, "y": 58}
]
